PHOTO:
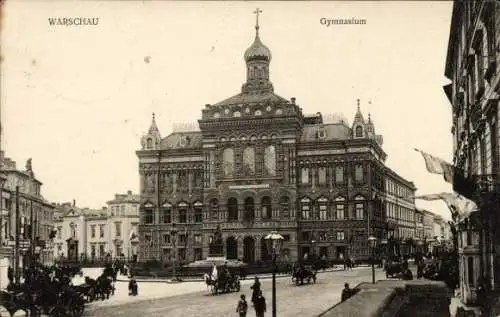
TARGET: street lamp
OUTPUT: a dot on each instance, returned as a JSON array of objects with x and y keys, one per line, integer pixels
[
  {"x": 173, "y": 234},
  {"x": 273, "y": 242},
  {"x": 373, "y": 241}
]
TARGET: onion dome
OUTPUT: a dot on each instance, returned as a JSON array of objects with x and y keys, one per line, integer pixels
[{"x": 257, "y": 51}]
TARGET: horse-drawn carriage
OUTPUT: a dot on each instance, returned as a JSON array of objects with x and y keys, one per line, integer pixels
[
  {"x": 222, "y": 281},
  {"x": 301, "y": 272}
]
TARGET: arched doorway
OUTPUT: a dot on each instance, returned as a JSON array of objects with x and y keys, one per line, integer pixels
[
  {"x": 248, "y": 250},
  {"x": 264, "y": 254},
  {"x": 231, "y": 248}
]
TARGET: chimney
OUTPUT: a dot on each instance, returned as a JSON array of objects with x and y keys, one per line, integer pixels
[
  {"x": 129, "y": 192},
  {"x": 74, "y": 203},
  {"x": 293, "y": 100}
]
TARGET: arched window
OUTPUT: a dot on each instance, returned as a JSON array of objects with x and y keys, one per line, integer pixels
[
  {"x": 149, "y": 143},
  {"x": 339, "y": 174},
  {"x": 249, "y": 207},
  {"x": 249, "y": 161},
  {"x": 340, "y": 208},
  {"x": 166, "y": 213},
  {"x": 232, "y": 209},
  {"x": 359, "y": 131},
  {"x": 214, "y": 209},
  {"x": 270, "y": 160},
  {"x": 267, "y": 210},
  {"x": 322, "y": 208},
  {"x": 285, "y": 206},
  {"x": 360, "y": 207},
  {"x": 305, "y": 208},
  {"x": 182, "y": 208},
  {"x": 148, "y": 213},
  {"x": 228, "y": 161}
]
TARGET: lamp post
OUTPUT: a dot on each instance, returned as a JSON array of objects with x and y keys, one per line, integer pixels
[
  {"x": 373, "y": 241},
  {"x": 273, "y": 242},
  {"x": 173, "y": 234}
]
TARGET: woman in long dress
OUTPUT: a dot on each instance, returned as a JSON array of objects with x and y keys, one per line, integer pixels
[{"x": 256, "y": 289}]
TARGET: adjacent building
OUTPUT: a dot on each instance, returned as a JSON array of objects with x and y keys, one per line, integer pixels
[
  {"x": 472, "y": 65},
  {"x": 90, "y": 234},
  {"x": 258, "y": 163},
  {"x": 34, "y": 220}
]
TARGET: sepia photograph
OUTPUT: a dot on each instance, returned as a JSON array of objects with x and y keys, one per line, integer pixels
[{"x": 249, "y": 158}]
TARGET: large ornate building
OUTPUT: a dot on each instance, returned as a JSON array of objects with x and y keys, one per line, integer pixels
[
  {"x": 472, "y": 65},
  {"x": 257, "y": 164}
]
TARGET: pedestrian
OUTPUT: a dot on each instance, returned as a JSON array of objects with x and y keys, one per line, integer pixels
[
  {"x": 260, "y": 305},
  {"x": 256, "y": 289},
  {"x": 242, "y": 307},
  {"x": 10, "y": 274},
  {"x": 132, "y": 287},
  {"x": 346, "y": 292}
]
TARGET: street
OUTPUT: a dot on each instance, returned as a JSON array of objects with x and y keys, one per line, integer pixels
[{"x": 193, "y": 299}]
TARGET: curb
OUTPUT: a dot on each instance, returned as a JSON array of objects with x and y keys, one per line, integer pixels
[{"x": 248, "y": 277}]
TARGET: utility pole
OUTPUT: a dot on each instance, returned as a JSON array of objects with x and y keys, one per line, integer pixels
[{"x": 18, "y": 231}]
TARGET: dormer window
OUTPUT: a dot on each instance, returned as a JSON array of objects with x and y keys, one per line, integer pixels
[
  {"x": 149, "y": 143},
  {"x": 236, "y": 114},
  {"x": 359, "y": 131},
  {"x": 217, "y": 115},
  {"x": 321, "y": 134},
  {"x": 258, "y": 113}
]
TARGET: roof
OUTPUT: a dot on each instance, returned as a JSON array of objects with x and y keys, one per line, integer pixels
[
  {"x": 332, "y": 131},
  {"x": 125, "y": 198},
  {"x": 242, "y": 98},
  {"x": 179, "y": 140}
]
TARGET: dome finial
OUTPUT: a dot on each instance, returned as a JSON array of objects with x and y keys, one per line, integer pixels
[
  {"x": 357, "y": 100},
  {"x": 153, "y": 116},
  {"x": 256, "y": 12}
]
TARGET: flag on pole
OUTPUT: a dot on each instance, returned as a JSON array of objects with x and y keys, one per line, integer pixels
[
  {"x": 460, "y": 207},
  {"x": 436, "y": 165}
]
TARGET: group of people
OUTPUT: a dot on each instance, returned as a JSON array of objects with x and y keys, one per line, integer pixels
[{"x": 258, "y": 301}]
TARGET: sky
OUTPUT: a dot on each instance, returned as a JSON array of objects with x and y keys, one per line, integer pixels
[{"x": 77, "y": 99}]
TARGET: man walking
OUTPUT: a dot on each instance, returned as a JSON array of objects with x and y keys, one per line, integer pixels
[
  {"x": 242, "y": 307},
  {"x": 260, "y": 305}
]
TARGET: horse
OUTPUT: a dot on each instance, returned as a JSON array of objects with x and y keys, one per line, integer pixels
[{"x": 304, "y": 272}]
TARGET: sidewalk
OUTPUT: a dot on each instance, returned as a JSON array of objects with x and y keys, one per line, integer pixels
[{"x": 200, "y": 279}]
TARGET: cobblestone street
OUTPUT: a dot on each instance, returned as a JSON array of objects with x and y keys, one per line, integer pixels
[{"x": 306, "y": 300}]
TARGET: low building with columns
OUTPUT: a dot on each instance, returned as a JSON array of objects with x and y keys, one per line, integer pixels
[{"x": 257, "y": 164}]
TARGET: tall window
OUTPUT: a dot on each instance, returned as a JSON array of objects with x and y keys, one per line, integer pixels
[
  {"x": 285, "y": 206},
  {"x": 359, "y": 207},
  {"x": 232, "y": 209},
  {"x": 214, "y": 209},
  {"x": 323, "y": 208},
  {"x": 270, "y": 160},
  {"x": 182, "y": 181},
  {"x": 304, "y": 176},
  {"x": 339, "y": 174},
  {"x": 198, "y": 212},
  {"x": 249, "y": 207},
  {"x": 167, "y": 213},
  {"x": 359, "y": 131},
  {"x": 340, "y": 235},
  {"x": 228, "y": 161},
  {"x": 182, "y": 212},
  {"x": 358, "y": 173},
  {"x": 249, "y": 161},
  {"x": 305, "y": 208},
  {"x": 148, "y": 213},
  {"x": 118, "y": 229},
  {"x": 267, "y": 211},
  {"x": 92, "y": 231},
  {"x": 322, "y": 176},
  {"x": 340, "y": 208},
  {"x": 101, "y": 231}
]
